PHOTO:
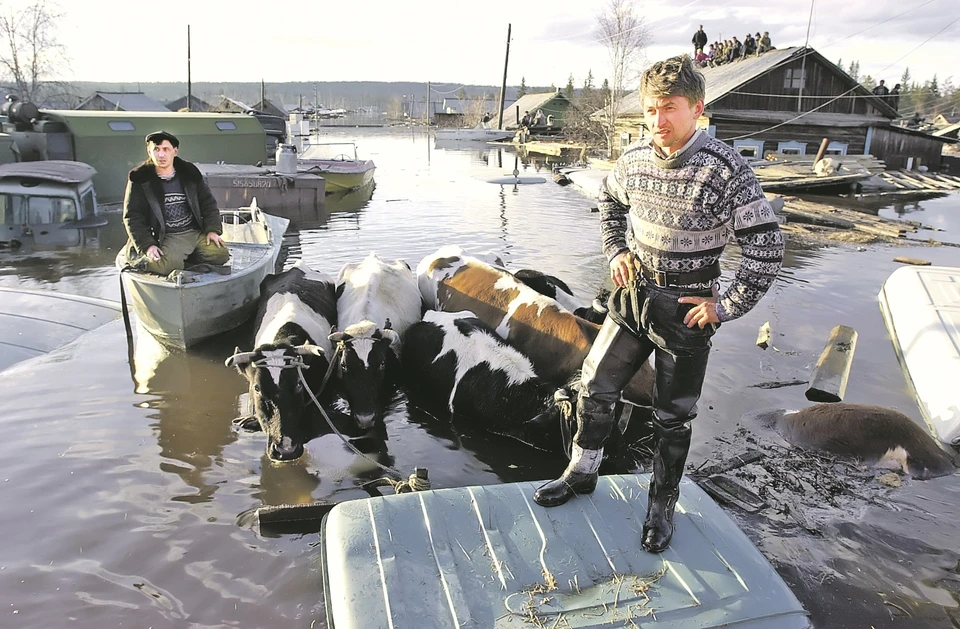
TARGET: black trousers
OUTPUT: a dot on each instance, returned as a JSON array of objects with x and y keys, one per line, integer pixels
[{"x": 644, "y": 319}]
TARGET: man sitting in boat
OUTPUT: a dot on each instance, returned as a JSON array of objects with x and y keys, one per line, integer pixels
[{"x": 169, "y": 212}]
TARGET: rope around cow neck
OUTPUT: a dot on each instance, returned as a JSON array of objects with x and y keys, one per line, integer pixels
[{"x": 413, "y": 483}]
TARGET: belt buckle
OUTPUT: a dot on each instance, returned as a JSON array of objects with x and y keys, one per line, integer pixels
[{"x": 660, "y": 278}]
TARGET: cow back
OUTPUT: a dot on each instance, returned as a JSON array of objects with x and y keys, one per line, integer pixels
[
  {"x": 298, "y": 296},
  {"x": 373, "y": 290}
]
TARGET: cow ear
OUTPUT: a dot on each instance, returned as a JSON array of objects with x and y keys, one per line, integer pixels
[
  {"x": 336, "y": 337},
  {"x": 309, "y": 350},
  {"x": 239, "y": 359},
  {"x": 340, "y": 288}
]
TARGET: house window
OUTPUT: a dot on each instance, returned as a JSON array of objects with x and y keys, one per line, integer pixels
[
  {"x": 121, "y": 125},
  {"x": 792, "y": 148},
  {"x": 749, "y": 148},
  {"x": 624, "y": 140},
  {"x": 794, "y": 79},
  {"x": 226, "y": 125},
  {"x": 837, "y": 148}
]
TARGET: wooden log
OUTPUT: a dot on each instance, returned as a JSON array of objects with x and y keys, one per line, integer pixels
[
  {"x": 914, "y": 261},
  {"x": 814, "y": 218},
  {"x": 878, "y": 230},
  {"x": 829, "y": 381},
  {"x": 303, "y": 518},
  {"x": 763, "y": 336}
]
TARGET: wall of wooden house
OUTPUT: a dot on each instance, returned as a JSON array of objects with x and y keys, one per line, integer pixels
[
  {"x": 896, "y": 147},
  {"x": 854, "y": 137},
  {"x": 821, "y": 81}
]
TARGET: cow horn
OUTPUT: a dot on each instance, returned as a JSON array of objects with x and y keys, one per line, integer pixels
[
  {"x": 309, "y": 350},
  {"x": 239, "y": 358},
  {"x": 391, "y": 335}
]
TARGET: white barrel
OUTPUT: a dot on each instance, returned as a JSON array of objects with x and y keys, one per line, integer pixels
[{"x": 286, "y": 159}]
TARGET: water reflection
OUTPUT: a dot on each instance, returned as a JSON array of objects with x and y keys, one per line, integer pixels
[{"x": 193, "y": 397}]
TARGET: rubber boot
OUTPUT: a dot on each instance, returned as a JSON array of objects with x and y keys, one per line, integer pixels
[
  {"x": 669, "y": 459},
  {"x": 580, "y": 477}
]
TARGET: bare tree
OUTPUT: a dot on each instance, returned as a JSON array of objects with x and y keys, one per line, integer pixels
[
  {"x": 30, "y": 54},
  {"x": 625, "y": 36},
  {"x": 474, "y": 109}
]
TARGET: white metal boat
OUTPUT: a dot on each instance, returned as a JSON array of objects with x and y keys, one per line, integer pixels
[
  {"x": 490, "y": 557},
  {"x": 183, "y": 309},
  {"x": 338, "y": 164},
  {"x": 921, "y": 308},
  {"x": 476, "y": 134}
]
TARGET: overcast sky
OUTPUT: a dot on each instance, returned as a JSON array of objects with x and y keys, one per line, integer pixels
[{"x": 420, "y": 40}]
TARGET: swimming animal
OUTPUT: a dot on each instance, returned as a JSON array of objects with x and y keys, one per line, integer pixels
[{"x": 875, "y": 435}]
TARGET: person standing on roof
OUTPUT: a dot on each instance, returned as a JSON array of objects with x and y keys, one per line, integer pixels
[
  {"x": 881, "y": 90},
  {"x": 666, "y": 211},
  {"x": 699, "y": 40},
  {"x": 169, "y": 212}
]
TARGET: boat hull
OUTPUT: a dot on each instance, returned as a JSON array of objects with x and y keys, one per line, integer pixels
[
  {"x": 921, "y": 309},
  {"x": 340, "y": 175},
  {"x": 181, "y": 314}
]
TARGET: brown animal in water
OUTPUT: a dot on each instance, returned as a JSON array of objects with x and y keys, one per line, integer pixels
[{"x": 878, "y": 436}]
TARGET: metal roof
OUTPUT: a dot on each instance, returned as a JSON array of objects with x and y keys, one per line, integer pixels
[
  {"x": 61, "y": 171},
  {"x": 530, "y": 103},
  {"x": 129, "y": 101},
  {"x": 724, "y": 79}
]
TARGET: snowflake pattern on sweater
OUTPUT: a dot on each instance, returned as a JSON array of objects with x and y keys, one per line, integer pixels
[{"x": 677, "y": 213}]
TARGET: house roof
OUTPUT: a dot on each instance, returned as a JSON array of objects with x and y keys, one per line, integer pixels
[
  {"x": 527, "y": 102},
  {"x": 230, "y": 104},
  {"x": 951, "y": 131},
  {"x": 128, "y": 101},
  {"x": 726, "y": 78},
  {"x": 196, "y": 104},
  {"x": 457, "y": 106}
]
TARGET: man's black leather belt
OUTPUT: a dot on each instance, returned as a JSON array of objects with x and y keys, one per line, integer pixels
[{"x": 664, "y": 278}]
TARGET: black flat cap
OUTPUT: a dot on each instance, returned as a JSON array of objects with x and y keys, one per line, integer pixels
[{"x": 157, "y": 137}]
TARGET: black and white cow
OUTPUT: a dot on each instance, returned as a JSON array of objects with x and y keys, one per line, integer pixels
[
  {"x": 376, "y": 303},
  {"x": 297, "y": 312},
  {"x": 454, "y": 363}
]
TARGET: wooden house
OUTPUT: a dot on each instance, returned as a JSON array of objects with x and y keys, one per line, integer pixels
[
  {"x": 553, "y": 104},
  {"x": 787, "y": 101}
]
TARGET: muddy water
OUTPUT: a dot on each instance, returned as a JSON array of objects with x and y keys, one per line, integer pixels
[{"x": 126, "y": 491}]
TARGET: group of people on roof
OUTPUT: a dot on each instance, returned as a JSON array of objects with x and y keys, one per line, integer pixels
[{"x": 728, "y": 50}]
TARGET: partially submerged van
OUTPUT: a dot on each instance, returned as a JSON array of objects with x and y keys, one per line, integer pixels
[{"x": 51, "y": 202}]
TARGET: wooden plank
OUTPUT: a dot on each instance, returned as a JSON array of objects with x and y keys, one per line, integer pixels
[
  {"x": 829, "y": 381},
  {"x": 932, "y": 181},
  {"x": 914, "y": 261}
]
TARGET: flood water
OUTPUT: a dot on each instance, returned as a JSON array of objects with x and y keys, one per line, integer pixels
[{"x": 127, "y": 492}]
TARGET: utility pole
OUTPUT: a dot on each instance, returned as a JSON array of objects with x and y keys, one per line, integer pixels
[
  {"x": 503, "y": 86},
  {"x": 189, "y": 82},
  {"x": 803, "y": 61},
  {"x": 263, "y": 95},
  {"x": 428, "y": 103}
]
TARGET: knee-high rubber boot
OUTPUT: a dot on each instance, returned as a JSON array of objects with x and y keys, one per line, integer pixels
[
  {"x": 581, "y": 474},
  {"x": 669, "y": 459}
]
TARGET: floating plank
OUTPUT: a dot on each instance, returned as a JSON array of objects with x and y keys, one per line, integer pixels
[
  {"x": 829, "y": 381},
  {"x": 913, "y": 261}
]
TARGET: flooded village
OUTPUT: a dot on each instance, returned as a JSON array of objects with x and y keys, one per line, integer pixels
[{"x": 283, "y": 441}]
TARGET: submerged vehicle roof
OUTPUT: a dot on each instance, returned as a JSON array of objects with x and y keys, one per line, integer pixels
[{"x": 58, "y": 170}]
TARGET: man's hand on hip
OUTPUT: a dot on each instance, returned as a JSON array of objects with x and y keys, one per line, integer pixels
[
  {"x": 214, "y": 237},
  {"x": 154, "y": 253},
  {"x": 622, "y": 269}
]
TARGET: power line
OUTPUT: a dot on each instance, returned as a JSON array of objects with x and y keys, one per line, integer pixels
[{"x": 776, "y": 126}]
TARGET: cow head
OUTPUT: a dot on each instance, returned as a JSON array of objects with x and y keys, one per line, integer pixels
[
  {"x": 367, "y": 354},
  {"x": 277, "y": 393}
]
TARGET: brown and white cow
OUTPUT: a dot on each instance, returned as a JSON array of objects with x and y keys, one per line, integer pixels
[{"x": 555, "y": 340}]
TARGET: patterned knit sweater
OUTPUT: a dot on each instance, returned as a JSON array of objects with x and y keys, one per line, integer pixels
[{"x": 677, "y": 213}]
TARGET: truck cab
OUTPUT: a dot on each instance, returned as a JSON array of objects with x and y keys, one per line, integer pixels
[{"x": 48, "y": 202}]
